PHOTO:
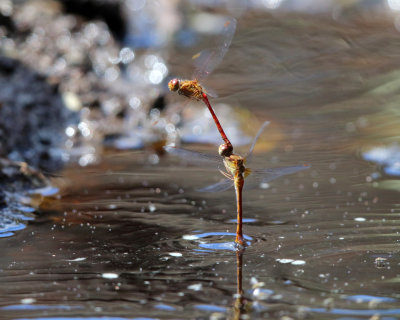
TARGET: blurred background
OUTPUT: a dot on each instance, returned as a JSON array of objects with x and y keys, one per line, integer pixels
[
  {"x": 96, "y": 220},
  {"x": 98, "y": 69}
]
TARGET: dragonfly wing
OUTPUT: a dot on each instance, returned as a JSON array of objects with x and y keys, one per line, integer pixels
[
  {"x": 194, "y": 157},
  {"x": 218, "y": 187},
  {"x": 210, "y": 92},
  {"x": 259, "y": 176},
  {"x": 248, "y": 156},
  {"x": 207, "y": 60}
]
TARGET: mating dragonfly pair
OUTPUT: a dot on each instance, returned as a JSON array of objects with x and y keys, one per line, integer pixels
[{"x": 235, "y": 165}]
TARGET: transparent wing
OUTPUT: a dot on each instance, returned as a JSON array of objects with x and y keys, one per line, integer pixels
[
  {"x": 207, "y": 60},
  {"x": 194, "y": 157},
  {"x": 218, "y": 187},
  {"x": 198, "y": 158},
  {"x": 265, "y": 175},
  {"x": 263, "y": 126},
  {"x": 210, "y": 92}
]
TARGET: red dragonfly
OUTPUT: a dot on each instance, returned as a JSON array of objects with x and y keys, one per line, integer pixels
[
  {"x": 206, "y": 61},
  {"x": 235, "y": 173}
]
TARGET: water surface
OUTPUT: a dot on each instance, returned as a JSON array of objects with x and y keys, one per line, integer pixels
[{"x": 127, "y": 239}]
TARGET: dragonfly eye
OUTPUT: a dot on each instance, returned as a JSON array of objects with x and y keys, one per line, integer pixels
[
  {"x": 225, "y": 150},
  {"x": 173, "y": 85}
]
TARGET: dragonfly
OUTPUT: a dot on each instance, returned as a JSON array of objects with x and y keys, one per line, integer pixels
[
  {"x": 235, "y": 174},
  {"x": 206, "y": 61}
]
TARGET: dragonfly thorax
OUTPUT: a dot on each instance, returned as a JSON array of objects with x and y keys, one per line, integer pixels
[
  {"x": 188, "y": 88},
  {"x": 234, "y": 164}
]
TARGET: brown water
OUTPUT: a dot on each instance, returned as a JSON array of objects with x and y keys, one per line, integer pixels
[{"x": 130, "y": 240}]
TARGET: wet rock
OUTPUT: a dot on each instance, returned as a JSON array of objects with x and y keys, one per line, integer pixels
[
  {"x": 18, "y": 177},
  {"x": 111, "y": 88},
  {"x": 32, "y": 117},
  {"x": 17, "y": 181}
]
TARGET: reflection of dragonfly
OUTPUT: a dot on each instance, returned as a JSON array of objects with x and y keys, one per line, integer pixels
[
  {"x": 235, "y": 173},
  {"x": 206, "y": 61}
]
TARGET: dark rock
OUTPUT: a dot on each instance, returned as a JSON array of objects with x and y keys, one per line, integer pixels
[
  {"x": 7, "y": 22},
  {"x": 19, "y": 177},
  {"x": 160, "y": 103},
  {"x": 32, "y": 117},
  {"x": 108, "y": 11}
]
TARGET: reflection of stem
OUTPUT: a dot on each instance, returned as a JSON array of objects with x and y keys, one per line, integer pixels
[
  {"x": 239, "y": 264},
  {"x": 239, "y": 307},
  {"x": 219, "y": 127}
]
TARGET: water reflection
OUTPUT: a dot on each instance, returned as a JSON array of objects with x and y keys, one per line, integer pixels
[
  {"x": 240, "y": 303},
  {"x": 106, "y": 249},
  {"x": 388, "y": 157}
]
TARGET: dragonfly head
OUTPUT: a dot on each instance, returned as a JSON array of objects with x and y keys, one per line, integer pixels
[
  {"x": 173, "y": 85},
  {"x": 225, "y": 149}
]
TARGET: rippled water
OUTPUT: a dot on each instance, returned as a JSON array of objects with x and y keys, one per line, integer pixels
[{"x": 127, "y": 239}]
